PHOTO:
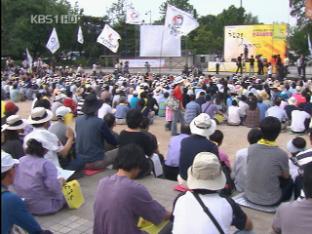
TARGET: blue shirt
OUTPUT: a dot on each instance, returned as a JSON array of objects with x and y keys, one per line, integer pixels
[
  {"x": 134, "y": 102},
  {"x": 190, "y": 147},
  {"x": 91, "y": 132},
  {"x": 173, "y": 155},
  {"x": 121, "y": 111},
  {"x": 192, "y": 109},
  {"x": 262, "y": 109},
  {"x": 14, "y": 212}
]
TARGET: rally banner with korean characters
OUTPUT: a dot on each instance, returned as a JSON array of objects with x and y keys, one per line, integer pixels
[{"x": 263, "y": 39}]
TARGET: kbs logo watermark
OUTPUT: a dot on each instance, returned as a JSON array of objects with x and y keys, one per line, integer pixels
[{"x": 54, "y": 19}]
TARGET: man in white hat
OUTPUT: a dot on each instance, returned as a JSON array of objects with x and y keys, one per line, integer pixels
[
  {"x": 201, "y": 128},
  {"x": 13, "y": 209},
  {"x": 203, "y": 210}
]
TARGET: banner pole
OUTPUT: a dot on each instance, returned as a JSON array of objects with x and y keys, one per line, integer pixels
[{"x": 161, "y": 49}]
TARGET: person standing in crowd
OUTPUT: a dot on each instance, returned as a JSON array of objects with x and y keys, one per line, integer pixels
[
  {"x": 286, "y": 64},
  {"x": 302, "y": 64},
  {"x": 147, "y": 67},
  {"x": 177, "y": 94},
  {"x": 246, "y": 51},
  {"x": 268, "y": 180},
  {"x": 239, "y": 64},
  {"x": 209, "y": 212},
  {"x": 260, "y": 65},
  {"x": 251, "y": 65},
  {"x": 91, "y": 132},
  {"x": 13, "y": 209},
  {"x": 134, "y": 200},
  {"x": 217, "y": 64}
]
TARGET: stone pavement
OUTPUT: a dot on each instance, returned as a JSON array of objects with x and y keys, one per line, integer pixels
[{"x": 80, "y": 220}]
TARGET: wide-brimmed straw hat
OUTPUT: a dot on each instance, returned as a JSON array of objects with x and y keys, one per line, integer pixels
[
  {"x": 206, "y": 173},
  {"x": 13, "y": 122},
  {"x": 40, "y": 115},
  {"x": 203, "y": 125}
]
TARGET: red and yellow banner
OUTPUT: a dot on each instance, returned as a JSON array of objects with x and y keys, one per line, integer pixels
[{"x": 263, "y": 39}]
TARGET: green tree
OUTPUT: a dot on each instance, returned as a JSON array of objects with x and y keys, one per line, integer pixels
[
  {"x": 181, "y": 4},
  {"x": 19, "y": 32}
]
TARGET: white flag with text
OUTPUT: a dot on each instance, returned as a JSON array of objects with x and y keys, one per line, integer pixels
[
  {"x": 80, "y": 36},
  {"x": 29, "y": 58},
  {"x": 53, "y": 43},
  {"x": 109, "y": 38},
  {"x": 179, "y": 23},
  {"x": 133, "y": 16}
]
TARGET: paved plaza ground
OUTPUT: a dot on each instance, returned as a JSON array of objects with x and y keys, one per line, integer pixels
[{"x": 81, "y": 220}]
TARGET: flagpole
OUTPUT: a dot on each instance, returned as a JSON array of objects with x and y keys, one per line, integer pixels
[{"x": 161, "y": 49}]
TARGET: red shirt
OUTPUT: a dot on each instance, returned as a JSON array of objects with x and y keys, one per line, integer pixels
[{"x": 177, "y": 93}]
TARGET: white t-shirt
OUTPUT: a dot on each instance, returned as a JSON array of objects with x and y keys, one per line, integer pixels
[
  {"x": 234, "y": 115},
  {"x": 243, "y": 107},
  {"x": 105, "y": 109},
  {"x": 189, "y": 216},
  {"x": 298, "y": 118},
  {"x": 277, "y": 112}
]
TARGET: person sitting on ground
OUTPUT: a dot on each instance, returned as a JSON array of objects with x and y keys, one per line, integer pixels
[
  {"x": 284, "y": 221},
  {"x": 233, "y": 114},
  {"x": 302, "y": 158},
  {"x": 290, "y": 107},
  {"x": 209, "y": 107},
  {"x": 252, "y": 114},
  {"x": 121, "y": 111},
  {"x": 300, "y": 120},
  {"x": 133, "y": 134},
  {"x": 243, "y": 107},
  {"x": 294, "y": 147},
  {"x": 144, "y": 126},
  {"x": 37, "y": 179},
  {"x": 13, "y": 209},
  {"x": 240, "y": 164},
  {"x": 12, "y": 143},
  {"x": 205, "y": 179},
  {"x": 134, "y": 100},
  {"x": 91, "y": 132},
  {"x": 105, "y": 109},
  {"x": 134, "y": 201},
  {"x": 192, "y": 108},
  {"x": 40, "y": 120},
  {"x": 201, "y": 99},
  {"x": 60, "y": 130},
  {"x": 110, "y": 121},
  {"x": 58, "y": 102},
  {"x": 276, "y": 111},
  {"x": 217, "y": 138},
  {"x": 171, "y": 164},
  {"x": 268, "y": 181},
  {"x": 201, "y": 128},
  {"x": 10, "y": 108}
]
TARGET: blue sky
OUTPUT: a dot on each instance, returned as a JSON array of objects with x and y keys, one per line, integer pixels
[{"x": 268, "y": 11}]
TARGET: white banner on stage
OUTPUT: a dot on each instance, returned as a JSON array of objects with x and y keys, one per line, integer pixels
[
  {"x": 151, "y": 37},
  {"x": 141, "y": 62}
]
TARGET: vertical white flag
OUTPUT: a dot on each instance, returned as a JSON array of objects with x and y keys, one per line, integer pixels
[
  {"x": 29, "y": 58},
  {"x": 80, "y": 36},
  {"x": 310, "y": 44},
  {"x": 133, "y": 16},
  {"x": 53, "y": 43},
  {"x": 179, "y": 23},
  {"x": 109, "y": 38}
]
